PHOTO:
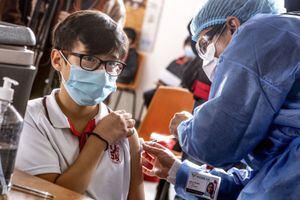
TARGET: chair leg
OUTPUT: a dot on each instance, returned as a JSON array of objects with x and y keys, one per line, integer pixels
[
  {"x": 118, "y": 99},
  {"x": 133, "y": 105},
  {"x": 163, "y": 194}
]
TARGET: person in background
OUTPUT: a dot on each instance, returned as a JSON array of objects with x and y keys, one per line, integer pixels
[
  {"x": 70, "y": 137},
  {"x": 15, "y": 11},
  {"x": 131, "y": 60},
  {"x": 196, "y": 81},
  {"x": 172, "y": 75},
  {"x": 113, "y": 8}
]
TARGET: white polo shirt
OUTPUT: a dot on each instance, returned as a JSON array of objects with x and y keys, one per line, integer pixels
[{"x": 50, "y": 147}]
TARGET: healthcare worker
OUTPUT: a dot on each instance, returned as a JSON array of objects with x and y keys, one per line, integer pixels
[{"x": 253, "y": 112}]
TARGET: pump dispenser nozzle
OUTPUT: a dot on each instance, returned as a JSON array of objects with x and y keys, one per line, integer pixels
[{"x": 6, "y": 92}]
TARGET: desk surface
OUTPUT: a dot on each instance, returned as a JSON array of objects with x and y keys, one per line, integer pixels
[{"x": 27, "y": 180}]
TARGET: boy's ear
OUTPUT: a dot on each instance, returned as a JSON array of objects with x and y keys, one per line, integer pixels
[{"x": 56, "y": 60}]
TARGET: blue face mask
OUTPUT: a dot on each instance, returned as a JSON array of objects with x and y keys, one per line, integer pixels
[
  {"x": 89, "y": 88},
  {"x": 188, "y": 52}
]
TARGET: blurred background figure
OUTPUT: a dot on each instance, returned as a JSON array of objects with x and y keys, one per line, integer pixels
[
  {"x": 113, "y": 8},
  {"x": 131, "y": 61},
  {"x": 15, "y": 11},
  {"x": 172, "y": 75},
  {"x": 194, "y": 77}
]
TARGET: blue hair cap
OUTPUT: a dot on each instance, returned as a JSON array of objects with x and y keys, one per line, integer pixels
[{"x": 214, "y": 12}]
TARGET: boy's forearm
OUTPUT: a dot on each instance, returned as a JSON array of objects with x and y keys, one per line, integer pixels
[{"x": 78, "y": 176}]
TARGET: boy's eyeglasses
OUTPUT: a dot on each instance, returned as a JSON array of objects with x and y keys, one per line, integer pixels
[{"x": 92, "y": 63}]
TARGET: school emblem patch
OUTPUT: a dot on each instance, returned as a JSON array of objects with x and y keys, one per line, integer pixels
[{"x": 114, "y": 152}]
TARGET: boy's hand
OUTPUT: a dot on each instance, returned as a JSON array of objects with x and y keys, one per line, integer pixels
[{"x": 115, "y": 126}]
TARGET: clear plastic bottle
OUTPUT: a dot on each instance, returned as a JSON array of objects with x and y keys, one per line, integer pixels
[{"x": 11, "y": 124}]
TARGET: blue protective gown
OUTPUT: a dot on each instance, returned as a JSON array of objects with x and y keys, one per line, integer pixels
[{"x": 253, "y": 114}]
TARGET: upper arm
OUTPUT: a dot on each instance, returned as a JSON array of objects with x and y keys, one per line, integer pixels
[{"x": 136, "y": 178}]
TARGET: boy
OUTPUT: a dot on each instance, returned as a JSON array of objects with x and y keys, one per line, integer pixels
[{"x": 70, "y": 137}]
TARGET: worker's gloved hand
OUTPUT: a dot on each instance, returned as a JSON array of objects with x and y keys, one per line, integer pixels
[
  {"x": 176, "y": 120},
  {"x": 159, "y": 157}
]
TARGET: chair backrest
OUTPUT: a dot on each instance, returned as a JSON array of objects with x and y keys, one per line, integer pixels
[
  {"x": 166, "y": 102},
  {"x": 135, "y": 83},
  {"x": 40, "y": 23}
]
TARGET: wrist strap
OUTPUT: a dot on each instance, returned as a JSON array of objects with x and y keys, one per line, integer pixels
[{"x": 100, "y": 138}]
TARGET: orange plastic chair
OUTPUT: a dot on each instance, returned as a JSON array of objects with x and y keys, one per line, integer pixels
[
  {"x": 166, "y": 102},
  {"x": 131, "y": 87}
]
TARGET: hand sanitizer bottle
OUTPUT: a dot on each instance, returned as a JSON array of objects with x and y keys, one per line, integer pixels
[{"x": 11, "y": 124}]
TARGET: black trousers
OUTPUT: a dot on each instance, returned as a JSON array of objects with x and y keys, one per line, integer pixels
[{"x": 148, "y": 95}]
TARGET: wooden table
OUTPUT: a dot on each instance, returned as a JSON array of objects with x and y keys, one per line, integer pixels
[{"x": 27, "y": 180}]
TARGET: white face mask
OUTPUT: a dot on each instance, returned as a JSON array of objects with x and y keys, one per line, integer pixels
[
  {"x": 209, "y": 67},
  {"x": 210, "y": 53}
]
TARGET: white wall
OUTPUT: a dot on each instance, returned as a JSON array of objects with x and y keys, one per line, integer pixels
[{"x": 172, "y": 31}]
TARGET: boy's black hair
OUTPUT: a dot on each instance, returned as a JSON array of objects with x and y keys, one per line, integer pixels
[
  {"x": 131, "y": 33},
  {"x": 97, "y": 31}
]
